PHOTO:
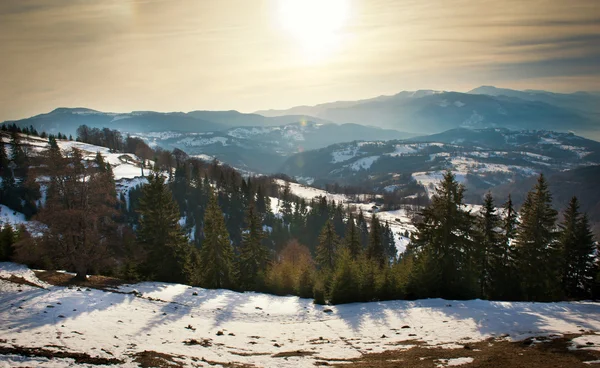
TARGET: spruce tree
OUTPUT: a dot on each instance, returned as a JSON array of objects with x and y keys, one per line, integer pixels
[
  {"x": 503, "y": 264},
  {"x": 160, "y": 234},
  {"x": 253, "y": 254},
  {"x": 442, "y": 244},
  {"x": 538, "y": 260},
  {"x": 376, "y": 250},
  {"x": 490, "y": 248},
  {"x": 352, "y": 238},
  {"x": 345, "y": 283},
  {"x": 327, "y": 247},
  {"x": 216, "y": 253},
  {"x": 578, "y": 252}
]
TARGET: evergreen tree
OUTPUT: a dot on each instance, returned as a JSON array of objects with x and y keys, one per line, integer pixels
[
  {"x": 352, "y": 238},
  {"x": 443, "y": 246},
  {"x": 505, "y": 284},
  {"x": 168, "y": 251},
  {"x": 216, "y": 254},
  {"x": 253, "y": 255},
  {"x": 376, "y": 251},
  {"x": 345, "y": 283},
  {"x": 327, "y": 247},
  {"x": 578, "y": 251},
  {"x": 538, "y": 261},
  {"x": 7, "y": 241},
  {"x": 490, "y": 248}
]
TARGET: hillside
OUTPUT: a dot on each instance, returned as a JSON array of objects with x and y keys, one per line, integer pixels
[
  {"x": 67, "y": 120},
  {"x": 435, "y": 111},
  {"x": 480, "y": 158},
  {"x": 264, "y": 149},
  {"x": 174, "y": 325}
]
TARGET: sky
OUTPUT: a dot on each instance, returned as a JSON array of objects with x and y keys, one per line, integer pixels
[{"x": 248, "y": 55}]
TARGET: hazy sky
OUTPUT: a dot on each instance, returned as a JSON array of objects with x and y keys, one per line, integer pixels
[{"x": 182, "y": 55}]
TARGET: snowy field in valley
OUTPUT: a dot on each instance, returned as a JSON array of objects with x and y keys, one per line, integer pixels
[{"x": 220, "y": 326}]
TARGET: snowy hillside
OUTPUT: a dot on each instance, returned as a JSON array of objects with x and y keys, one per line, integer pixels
[
  {"x": 479, "y": 158},
  {"x": 191, "y": 325}
]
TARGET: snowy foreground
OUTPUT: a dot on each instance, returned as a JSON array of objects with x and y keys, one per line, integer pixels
[{"x": 250, "y": 328}]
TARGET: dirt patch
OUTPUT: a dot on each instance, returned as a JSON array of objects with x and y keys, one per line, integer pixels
[
  {"x": 81, "y": 358},
  {"x": 93, "y": 281},
  {"x": 150, "y": 358},
  {"x": 486, "y": 354},
  {"x": 297, "y": 353},
  {"x": 20, "y": 281}
]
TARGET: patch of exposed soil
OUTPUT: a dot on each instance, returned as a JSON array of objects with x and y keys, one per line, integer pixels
[
  {"x": 93, "y": 281},
  {"x": 81, "y": 358},
  {"x": 551, "y": 353},
  {"x": 19, "y": 281}
]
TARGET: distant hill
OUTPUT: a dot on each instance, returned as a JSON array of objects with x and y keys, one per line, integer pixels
[
  {"x": 428, "y": 111},
  {"x": 67, "y": 120},
  {"x": 482, "y": 159}
]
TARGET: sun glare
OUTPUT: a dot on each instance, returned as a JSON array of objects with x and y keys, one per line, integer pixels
[{"x": 315, "y": 24}]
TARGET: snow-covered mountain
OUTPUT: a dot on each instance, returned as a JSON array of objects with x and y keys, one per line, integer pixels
[
  {"x": 427, "y": 111},
  {"x": 479, "y": 158},
  {"x": 264, "y": 149},
  {"x": 67, "y": 120}
]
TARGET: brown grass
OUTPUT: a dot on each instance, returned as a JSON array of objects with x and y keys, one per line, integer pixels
[
  {"x": 19, "y": 281},
  {"x": 93, "y": 281},
  {"x": 553, "y": 353},
  {"x": 81, "y": 358}
]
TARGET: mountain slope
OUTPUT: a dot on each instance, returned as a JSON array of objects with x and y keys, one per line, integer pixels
[
  {"x": 480, "y": 158},
  {"x": 431, "y": 112},
  {"x": 264, "y": 149}
]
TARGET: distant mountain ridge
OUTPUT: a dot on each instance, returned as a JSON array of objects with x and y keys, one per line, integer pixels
[
  {"x": 428, "y": 111},
  {"x": 67, "y": 120}
]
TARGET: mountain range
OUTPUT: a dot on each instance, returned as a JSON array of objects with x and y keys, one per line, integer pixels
[{"x": 428, "y": 111}]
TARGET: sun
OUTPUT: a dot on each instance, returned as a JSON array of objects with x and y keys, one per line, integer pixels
[{"x": 315, "y": 24}]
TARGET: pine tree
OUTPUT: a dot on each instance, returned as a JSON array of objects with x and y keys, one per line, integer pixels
[
  {"x": 216, "y": 254},
  {"x": 442, "y": 244},
  {"x": 253, "y": 255},
  {"x": 7, "y": 241},
  {"x": 327, "y": 247},
  {"x": 578, "y": 251},
  {"x": 376, "y": 251},
  {"x": 503, "y": 263},
  {"x": 489, "y": 247},
  {"x": 538, "y": 261},
  {"x": 160, "y": 234},
  {"x": 345, "y": 283},
  {"x": 352, "y": 238}
]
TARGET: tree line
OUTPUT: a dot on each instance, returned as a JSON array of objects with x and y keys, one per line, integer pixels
[{"x": 204, "y": 224}]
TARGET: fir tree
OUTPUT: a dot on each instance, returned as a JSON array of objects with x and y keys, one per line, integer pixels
[
  {"x": 538, "y": 262},
  {"x": 578, "y": 252},
  {"x": 345, "y": 283},
  {"x": 253, "y": 255},
  {"x": 503, "y": 263},
  {"x": 160, "y": 234},
  {"x": 489, "y": 247},
  {"x": 327, "y": 247},
  {"x": 376, "y": 250},
  {"x": 443, "y": 246},
  {"x": 352, "y": 238},
  {"x": 216, "y": 254}
]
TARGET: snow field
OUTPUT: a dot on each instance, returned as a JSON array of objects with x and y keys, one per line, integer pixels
[{"x": 257, "y": 326}]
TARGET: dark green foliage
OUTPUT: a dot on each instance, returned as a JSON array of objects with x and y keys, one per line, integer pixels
[
  {"x": 216, "y": 254},
  {"x": 443, "y": 246},
  {"x": 577, "y": 247},
  {"x": 345, "y": 281},
  {"x": 7, "y": 241},
  {"x": 537, "y": 257},
  {"x": 253, "y": 256},
  {"x": 376, "y": 250},
  {"x": 168, "y": 251},
  {"x": 352, "y": 238},
  {"x": 489, "y": 247},
  {"x": 327, "y": 247}
]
